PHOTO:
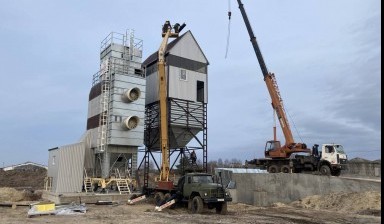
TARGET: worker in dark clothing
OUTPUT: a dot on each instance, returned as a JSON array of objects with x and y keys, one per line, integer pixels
[
  {"x": 193, "y": 157},
  {"x": 315, "y": 150}
]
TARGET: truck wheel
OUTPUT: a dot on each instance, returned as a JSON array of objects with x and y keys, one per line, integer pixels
[
  {"x": 325, "y": 170},
  {"x": 221, "y": 208},
  {"x": 159, "y": 198},
  {"x": 285, "y": 169},
  {"x": 273, "y": 169},
  {"x": 197, "y": 205},
  {"x": 336, "y": 173}
]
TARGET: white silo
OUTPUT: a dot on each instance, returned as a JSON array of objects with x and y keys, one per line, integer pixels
[{"x": 116, "y": 106}]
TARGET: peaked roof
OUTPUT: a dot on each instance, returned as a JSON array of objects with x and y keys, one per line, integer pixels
[{"x": 153, "y": 58}]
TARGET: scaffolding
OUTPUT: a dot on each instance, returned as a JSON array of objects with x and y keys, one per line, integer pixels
[{"x": 186, "y": 119}]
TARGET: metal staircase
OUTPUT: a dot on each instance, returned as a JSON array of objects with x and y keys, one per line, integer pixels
[
  {"x": 87, "y": 182},
  {"x": 122, "y": 184}
]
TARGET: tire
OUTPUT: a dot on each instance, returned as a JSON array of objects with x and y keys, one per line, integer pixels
[
  {"x": 336, "y": 173},
  {"x": 197, "y": 205},
  {"x": 159, "y": 198},
  {"x": 285, "y": 169},
  {"x": 325, "y": 170},
  {"x": 273, "y": 169},
  {"x": 222, "y": 208}
]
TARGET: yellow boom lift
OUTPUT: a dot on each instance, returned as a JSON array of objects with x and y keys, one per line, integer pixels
[{"x": 163, "y": 182}]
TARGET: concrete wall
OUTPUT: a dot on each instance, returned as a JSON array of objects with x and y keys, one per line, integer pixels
[
  {"x": 266, "y": 189},
  {"x": 371, "y": 169}
]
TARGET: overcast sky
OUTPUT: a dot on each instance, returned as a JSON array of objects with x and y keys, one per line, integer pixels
[{"x": 325, "y": 54}]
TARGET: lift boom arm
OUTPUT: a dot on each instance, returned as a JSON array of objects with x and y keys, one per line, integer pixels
[{"x": 166, "y": 34}]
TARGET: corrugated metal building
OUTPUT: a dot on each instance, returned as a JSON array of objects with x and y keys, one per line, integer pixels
[{"x": 66, "y": 166}]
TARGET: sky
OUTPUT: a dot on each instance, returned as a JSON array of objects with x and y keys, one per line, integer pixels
[{"x": 325, "y": 55}]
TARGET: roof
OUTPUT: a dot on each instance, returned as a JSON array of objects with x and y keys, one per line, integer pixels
[
  {"x": 154, "y": 56},
  {"x": 242, "y": 170},
  {"x": 11, "y": 167}
]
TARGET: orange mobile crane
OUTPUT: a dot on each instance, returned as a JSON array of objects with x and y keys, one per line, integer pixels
[
  {"x": 329, "y": 161},
  {"x": 290, "y": 146}
]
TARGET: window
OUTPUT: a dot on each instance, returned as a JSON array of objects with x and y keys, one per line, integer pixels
[
  {"x": 53, "y": 160},
  {"x": 328, "y": 149},
  {"x": 183, "y": 74},
  {"x": 200, "y": 91},
  {"x": 202, "y": 179}
]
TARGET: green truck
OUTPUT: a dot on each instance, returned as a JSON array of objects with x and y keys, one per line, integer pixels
[{"x": 199, "y": 191}]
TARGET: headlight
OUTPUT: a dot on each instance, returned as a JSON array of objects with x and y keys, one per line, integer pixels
[
  {"x": 226, "y": 193},
  {"x": 205, "y": 194}
]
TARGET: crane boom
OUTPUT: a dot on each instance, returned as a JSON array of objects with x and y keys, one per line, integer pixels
[
  {"x": 277, "y": 102},
  {"x": 256, "y": 47}
]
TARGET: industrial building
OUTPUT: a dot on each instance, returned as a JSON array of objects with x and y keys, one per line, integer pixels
[
  {"x": 115, "y": 122},
  {"x": 123, "y": 114},
  {"x": 187, "y": 97}
]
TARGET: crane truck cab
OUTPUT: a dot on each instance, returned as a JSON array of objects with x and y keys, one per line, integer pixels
[
  {"x": 332, "y": 159},
  {"x": 329, "y": 160}
]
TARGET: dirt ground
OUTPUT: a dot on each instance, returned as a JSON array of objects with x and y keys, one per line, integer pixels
[
  {"x": 32, "y": 179},
  {"x": 334, "y": 208},
  {"x": 363, "y": 207}
]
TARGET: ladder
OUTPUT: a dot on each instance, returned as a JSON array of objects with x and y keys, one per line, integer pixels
[
  {"x": 87, "y": 182},
  {"x": 122, "y": 186},
  {"x": 104, "y": 106}
]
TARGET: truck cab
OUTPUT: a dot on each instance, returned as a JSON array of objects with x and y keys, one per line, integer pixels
[
  {"x": 332, "y": 159},
  {"x": 200, "y": 188}
]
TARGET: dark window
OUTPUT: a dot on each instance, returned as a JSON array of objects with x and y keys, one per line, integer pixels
[{"x": 200, "y": 91}]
